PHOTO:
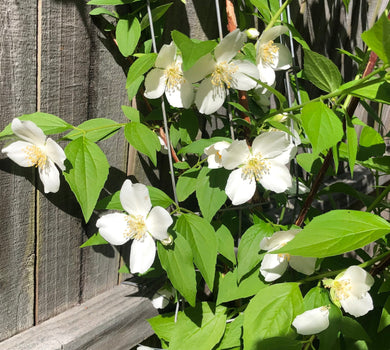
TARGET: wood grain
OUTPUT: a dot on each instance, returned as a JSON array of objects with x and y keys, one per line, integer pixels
[{"x": 17, "y": 205}]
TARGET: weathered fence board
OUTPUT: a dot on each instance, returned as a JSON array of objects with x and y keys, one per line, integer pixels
[{"x": 17, "y": 206}]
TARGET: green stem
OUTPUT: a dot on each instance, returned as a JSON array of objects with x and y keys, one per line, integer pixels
[
  {"x": 357, "y": 84},
  {"x": 276, "y": 16},
  {"x": 335, "y": 273},
  {"x": 309, "y": 342},
  {"x": 378, "y": 199}
]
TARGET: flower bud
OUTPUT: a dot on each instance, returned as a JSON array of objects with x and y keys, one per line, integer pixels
[{"x": 252, "y": 33}]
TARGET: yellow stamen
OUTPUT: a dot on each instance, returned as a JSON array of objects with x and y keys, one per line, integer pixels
[
  {"x": 223, "y": 74},
  {"x": 174, "y": 76},
  {"x": 36, "y": 156},
  {"x": 256, "y": 167},
  {"x": 136, "y": 227},
  {"x": 342, "y": 289},
  {"x": 269, "y": 52}
]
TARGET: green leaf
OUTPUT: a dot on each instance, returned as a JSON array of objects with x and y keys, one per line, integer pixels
[
  {"x": 110, "y": 2},
  {"x": 181, "y": 165},
  {"x": 132, "y": 88},
  {"x": 199, "y": 328},
  {"x": 351, "y": 328},
  {"x": 102, "y": 11},
  {"x": 385, "y": 316},
  {"x": 337, "y": 232},
  {"x": 176, "y": 260},
  {"x": 352, "y": 143},
  {"x": 210, "y": 191},
  {"x": 309, "y": 162},
  {"x": 379, "y": 92},
  {"x": 143, "y": 140},
  {"x": 186, "y": 184},
  {"x": 95, "y": 129},
  {"x": 158, "y": 197},
  {"x": 87, "y": 172},
  {"x": 316, "y": 297},
  {"x": 95, "y": 239},
  {"x": 201, "y": 237},
  {"x": 321, "y": 71},
  {"x": 198, "y": 146},
  {"x": 322, "y": 126},
  {"x": 157, "y": 13},
  {"x": 163, "y": 325},
  {"x": 229, "y": 289},
  {"x": 131, "y": 113},
  {"x": 378, "y": 38},
  {"x": 110, "y": 202},
  {"x": 124, "y": 269},
  {"x": 226, "y": 243},
  {"x": 233, "y": 333},
  {"x": 128, "y": 32},
  {"x": 248, "y": 250},
  {"x": 270, "y": 313},
  {"x": 49, "y": 123},
  {"x": 139, "y": 67},
  {"x": 371, "y": 144},
  {"x": 191, "y": 50},
  {"x": 378, "y": 163}
]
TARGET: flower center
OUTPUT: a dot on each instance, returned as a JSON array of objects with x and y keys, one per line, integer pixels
[
  {"x": 136, "y": 227},
  {"x": 269, "y": 52},
  {"x": 36, "y": 156},
  {"x": 255, "y": 167},
  {"x": 342, "y": 289},
  {"x": 223, "y": 74},
  {"x": 174, "y": 76}
]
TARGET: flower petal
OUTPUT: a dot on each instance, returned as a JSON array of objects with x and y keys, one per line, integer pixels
[
  {"x": 155, "y": 83},
  {"x": 161, "y": 298},
  {"x": 235, "y": 154},
  {"x": 135, "y": 198},
  {"x": 166, "y": 56},
  {"x": 181, "y": 96},
  {"x": 312, "y": 321},
  {"x": 28, "y": 131},
  {"x": 214, "y": 159},
  {"x": 50, "y": 177},
  {"x": 229, "y": 46},
  {"x": 238, "y": 189},
  {"x": 270, "y": 144},
  {"x": 158, "y": 222},
  {"x": 142, "y": 254},
  {"x": 112, "y": 228},
  {"x": 16, "y": 152},
  {"x": 357, "y": 275},
  {"x": 357, "y": 306},
  {"x": 278, "y": 179},
  {"x": 273, "y": 266},
  {"x": 302, "y": 264},
  {"x": 266, "y": 74},
  {"x": 209, "y": 98},
  {"x": 202, "y": 68},
  {"x": 241, "y": 80},
  {"x": 272, "y": 34},
  {"x": 55, "y": 152},
  {"x": 278, "y": 239},
  {"x": 284, "y": 57}
]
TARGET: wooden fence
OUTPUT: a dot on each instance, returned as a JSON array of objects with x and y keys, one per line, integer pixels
[{"x": 53, "y": 59}]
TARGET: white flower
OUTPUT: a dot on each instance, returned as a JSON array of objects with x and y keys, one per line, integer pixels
[
  {"x": 264, "y": 162},
  {"x": 35, "y": 149},
  {"x": 222, "y": 72},
  {"x": 350, "y": 290},
  {"x": 141, "y": 223},
  {"x": 312, "y": 321},
  {"x": 161, "y": 298},
  {"x": 252, "y": 33},
  {"x": 214, "y": 153},
  {"x": 274, "y": 265},
  {"x": 271, "y": 56},
  {"x": 168, "y": 77}
]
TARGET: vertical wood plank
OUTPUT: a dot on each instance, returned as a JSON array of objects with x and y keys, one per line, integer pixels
[
  {"x": 17, "y": 208},
  {"x": 64, "y": 92}
]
